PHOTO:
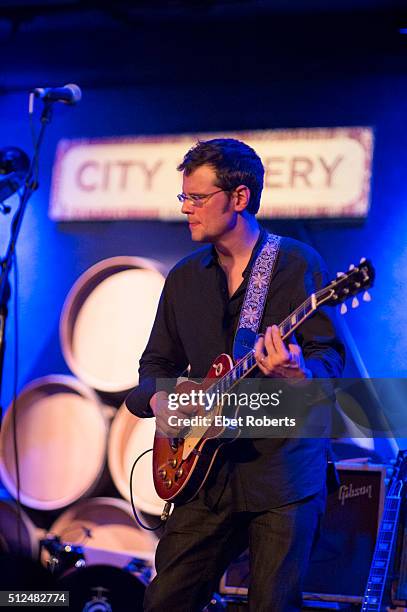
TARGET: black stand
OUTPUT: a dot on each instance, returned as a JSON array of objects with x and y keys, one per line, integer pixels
[{"x": 6, "y": 263}]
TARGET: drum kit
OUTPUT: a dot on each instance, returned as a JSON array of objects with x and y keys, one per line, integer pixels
[{"x": 100, "y": 586}]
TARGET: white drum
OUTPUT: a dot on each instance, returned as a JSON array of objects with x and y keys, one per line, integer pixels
[
  {"x": 62, "y": 438},
  {"x": 130, "y": 436},
  {"x": 106, "y": 321}
]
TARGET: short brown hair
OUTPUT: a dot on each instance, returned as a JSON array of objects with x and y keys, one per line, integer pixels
[{"x": 234, "y": 162}]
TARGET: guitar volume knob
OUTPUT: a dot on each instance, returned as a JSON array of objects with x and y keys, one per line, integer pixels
[
  {"x": 172, "y": 463},
  {"x": 162, "y": 473},
  {"x": 168, "y": 483},
  {"x": 179, "y": 473}
]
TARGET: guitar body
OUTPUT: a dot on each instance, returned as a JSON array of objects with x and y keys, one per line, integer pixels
[{"x": 179, "y": 474}]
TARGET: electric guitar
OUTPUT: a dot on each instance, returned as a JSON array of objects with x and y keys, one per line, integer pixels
[
  {"x": 379, "y": 571},
  {"x": 181, "y": 465}
]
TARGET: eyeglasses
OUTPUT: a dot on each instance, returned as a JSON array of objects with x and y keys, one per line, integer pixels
[{"x": 196, "y": 199}]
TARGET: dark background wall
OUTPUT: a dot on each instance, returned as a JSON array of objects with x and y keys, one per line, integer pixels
[{"x": 162, "y": 68}]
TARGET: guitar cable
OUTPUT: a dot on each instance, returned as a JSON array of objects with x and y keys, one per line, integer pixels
[{"x": 166, "y": 510}]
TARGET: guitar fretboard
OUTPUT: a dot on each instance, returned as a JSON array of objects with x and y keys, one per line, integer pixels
[
  {"x": 245, "y": 365},
  {"x": 372, "y": 600}
]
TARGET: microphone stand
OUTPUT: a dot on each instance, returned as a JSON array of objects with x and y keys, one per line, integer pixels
[{"x": 30, "y": 186}]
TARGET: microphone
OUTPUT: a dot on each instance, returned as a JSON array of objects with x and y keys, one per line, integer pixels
[
  {"x": 14, "y": 166},
  {"x": 68, "y": 94}
]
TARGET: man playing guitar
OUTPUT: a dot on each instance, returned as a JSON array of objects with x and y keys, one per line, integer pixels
[{"x": 266, "y": 493}]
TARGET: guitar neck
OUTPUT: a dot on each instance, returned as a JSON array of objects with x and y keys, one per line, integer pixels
[
  {"x": 345, "y": 285},
  {"x": 372, "y": 601},
  {"x": 247, "y": 363}
]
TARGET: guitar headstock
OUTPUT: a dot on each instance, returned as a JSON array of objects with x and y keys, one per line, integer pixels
[
  {"x": 347, "y": 284},
  {"x": 399, "y": 476}
]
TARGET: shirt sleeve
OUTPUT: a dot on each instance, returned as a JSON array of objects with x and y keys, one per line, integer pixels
[{"x": 162, "y": 358}]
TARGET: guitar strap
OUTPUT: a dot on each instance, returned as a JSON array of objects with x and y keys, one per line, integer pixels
[{"x": 255, "y": 297}]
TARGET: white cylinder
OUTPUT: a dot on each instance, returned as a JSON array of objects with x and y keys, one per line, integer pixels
[
  {"x": 104, "y": 524},
  {"x": 62, "y": 439},
  {"x": 130, "y": 436},
  {"x": 106, "y": 321}
]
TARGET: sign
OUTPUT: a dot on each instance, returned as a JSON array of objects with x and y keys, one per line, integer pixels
[{"x": 308, "y": 173}]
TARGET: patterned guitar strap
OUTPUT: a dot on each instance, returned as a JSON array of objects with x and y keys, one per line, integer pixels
[{"x": 255, "y": 297}]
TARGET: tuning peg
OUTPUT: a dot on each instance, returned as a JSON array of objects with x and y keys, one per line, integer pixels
[
  {"x": 351, "y": 267},
  {"x": 367, "y": 297},
  {"x": 344, "y": 309},
  {"x": 362, "y": 260},
  {"x": 355, "y": 302},
  {"x": 339, "y": 274}
]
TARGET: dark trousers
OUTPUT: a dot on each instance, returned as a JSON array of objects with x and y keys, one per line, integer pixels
[{"x": 198, "y": 545}]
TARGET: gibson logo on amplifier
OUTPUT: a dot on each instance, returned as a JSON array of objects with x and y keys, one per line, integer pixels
[{"x": 347, "y": 491}]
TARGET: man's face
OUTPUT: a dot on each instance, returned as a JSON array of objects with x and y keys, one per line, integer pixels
[{"x": 212, "y": 218}]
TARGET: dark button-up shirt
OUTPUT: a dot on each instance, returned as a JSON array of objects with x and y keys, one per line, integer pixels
[{"x": 197, "y": 320}]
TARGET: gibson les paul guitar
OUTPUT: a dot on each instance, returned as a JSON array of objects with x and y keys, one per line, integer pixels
[{"x": 181, "y": 465}]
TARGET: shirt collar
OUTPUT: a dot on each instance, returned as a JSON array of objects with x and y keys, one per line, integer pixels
[{"x": 211, "y": 257}]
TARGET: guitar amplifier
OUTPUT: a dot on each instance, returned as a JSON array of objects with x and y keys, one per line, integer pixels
[{"x": 340, "y": 563}]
